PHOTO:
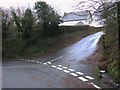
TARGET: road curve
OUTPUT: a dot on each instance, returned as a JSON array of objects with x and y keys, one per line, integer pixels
[{"x": 60, "y": 69}]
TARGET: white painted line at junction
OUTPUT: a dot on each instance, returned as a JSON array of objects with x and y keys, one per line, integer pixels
[
  {"x": 80, "y": 73},
  {"x": 37, "y": 61},
  {"x": 32, "y": 60},
  {"x": 95, "y": 86},
  {"x": 60, "y": 65},
  {"x": 73, "y": 74},
  {"x": 89, "y": 77},
  {"x": 45, "y": 63},
  {"x": 53, "y": 66},
  {"x": 49, "y": 62},
  {"x": 66, "y": 71},
  {"x": 64, "y": 67},
  {"x": 59, "y": 68},
  {"x": 71, "y": 70},
  {"x": 83, "y": 79},
  {"x": 40, "y": 62}
]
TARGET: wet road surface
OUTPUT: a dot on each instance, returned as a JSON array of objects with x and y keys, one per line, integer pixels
[{"x": 60, "y": 69}]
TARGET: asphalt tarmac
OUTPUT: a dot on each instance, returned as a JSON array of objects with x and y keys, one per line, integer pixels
[{"x": 60, "y": 69}]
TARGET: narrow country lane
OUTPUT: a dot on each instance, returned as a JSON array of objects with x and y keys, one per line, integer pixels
[{"x": 60, "y": 69}]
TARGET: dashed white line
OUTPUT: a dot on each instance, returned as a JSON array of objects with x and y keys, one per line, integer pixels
[
  {"x": 71, "y": 70},
  {"x": 95, "y": 85},
  {"x": 45, "y": 63},
  {"x": 37, "y": 61},
  {"x": 49, "y": 62},
  {"x": 83, "y": 79},
  {"x": 53, "y": 66},
  {"x": 59, "y": 68},
  {"x": 40, "y": 62},
  {"x": 73, "y": 74},
  {"x": 64, "y": 67},
  {"x": 60, "y": 65},
  {"x": 80, "y": 73},
  {"x": 66, "y": 71},
  {"x": 32, "y": 61},
  {"x": 89, "y": 77}
]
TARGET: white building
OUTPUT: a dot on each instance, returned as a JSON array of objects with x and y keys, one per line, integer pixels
[{"x": 76, "y": 18}]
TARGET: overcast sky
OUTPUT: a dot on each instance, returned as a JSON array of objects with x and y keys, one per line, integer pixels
[{"x": 60, "y": 5}]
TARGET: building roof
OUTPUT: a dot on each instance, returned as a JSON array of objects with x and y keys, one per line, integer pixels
[{"x": 75, "y": 16}]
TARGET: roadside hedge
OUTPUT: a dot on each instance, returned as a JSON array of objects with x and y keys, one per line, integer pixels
[{"x": 70, "y": 29}]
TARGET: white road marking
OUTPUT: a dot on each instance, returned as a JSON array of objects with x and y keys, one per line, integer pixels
[
  {"x": 40, "y": 62},
  {"x": 60, "y": 65},
  {"x": 71, "y": 70},
  {"x": 89, "y": 77},
  {"x": 37, "y": 61},
  {"x": 45, "y": 63},
  {"x": 83, "y": 79},
  {"x": 71, "y": 51},
  {"x": 64, "y": 67},
  {"x": 73, "y": 74},
  {"x": 59, "y": 68},
  {"x": 53, "y": 66},
  {"x": 56, "y": 58},
  {"x": 66, "y": 71},
  {"x": 95, "y": 85},
  {"x": 32, "y": 60},
  {"x": 80, "y": 73},
  {"x": 49, "y": 62}
]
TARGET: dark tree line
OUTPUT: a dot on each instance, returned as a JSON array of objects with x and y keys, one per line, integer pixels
[
  {"x": 43, "y": 17},
  {"x": 23, "y": 28}
]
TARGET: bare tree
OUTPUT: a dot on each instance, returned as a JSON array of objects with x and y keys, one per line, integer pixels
[{"x": 99, "y": 8}]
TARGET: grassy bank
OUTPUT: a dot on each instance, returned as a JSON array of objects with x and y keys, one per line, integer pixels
[
  {"x": 17, "y": 47},
  {"x": 109, "y": 53}
]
